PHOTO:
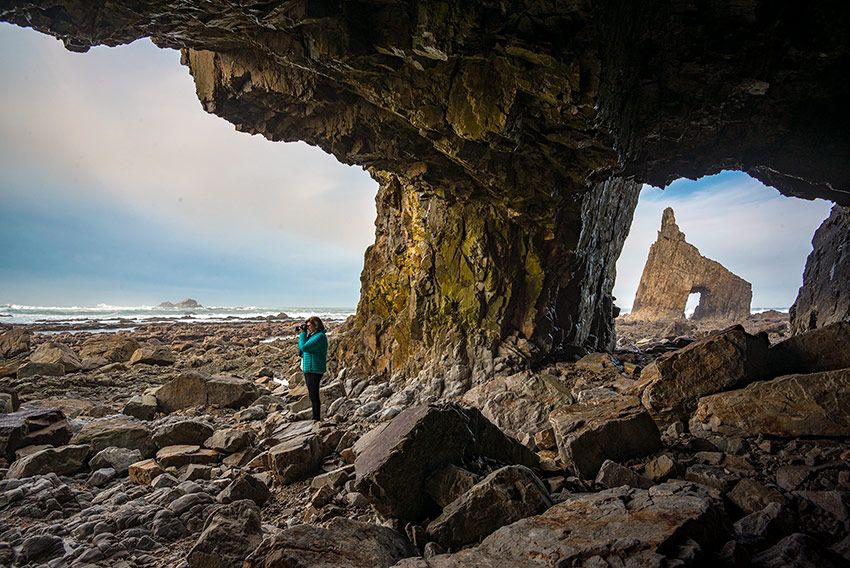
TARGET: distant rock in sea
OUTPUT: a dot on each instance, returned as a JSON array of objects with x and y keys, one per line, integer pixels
[{"x": 187, "y": 303}]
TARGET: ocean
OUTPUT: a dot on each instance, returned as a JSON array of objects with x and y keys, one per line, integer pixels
[{"x": 110, "y": 315}]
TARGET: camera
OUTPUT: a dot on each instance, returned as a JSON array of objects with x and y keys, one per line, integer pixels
[{"x": 302, "y": 327}]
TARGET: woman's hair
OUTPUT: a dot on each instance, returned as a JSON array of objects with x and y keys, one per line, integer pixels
[{"x": 317, "y": 323}]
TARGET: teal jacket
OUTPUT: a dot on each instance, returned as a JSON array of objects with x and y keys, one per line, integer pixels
[{"x": 314, "y": 349}]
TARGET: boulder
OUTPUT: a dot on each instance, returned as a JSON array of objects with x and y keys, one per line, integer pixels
[
  {"x": 617, "y": 429},
  {"x": 144, "y": 472},
  {"x": 770, "y": 524},
  {"x": 7, "y": 403},
  {"x": 612, "y": 474},
  {"x": 161, "y": 355},
  {"x": 181, "y": 432},
  {"x": 345, "y": 543},
  {"x": 118, "y": 432},
  {"x": 246, "y": 486},
  {"x": 113, "y": 347},
  {"x": 229, "y": 440},
  {"x": 31, "y": 369},
  {"x": 180, "y": 455},
  {"x": 230, "y": 533},
  {"x": 822, "y": 349},
  {"x": 614, "y": 527},
  {"x": 798, "y": 550},
  {"x": 119, "y": 459},
  {"x": 40, "y": 548},
  {"x": 671, "y": 385},
  {"x": 506, "y": 495},
  {"x": 392, "y": 468},
  {"x": 65, "y": 460},
  {"x": 195, "y": 389},
  {"x": 448, "y": 483},
  {"x": 141, "y": 406},
  {"x": 797, "y": 405},
  {"x": 231, "y": 392},
  {"x": 14, "y": 342},
  {"x": 32, "y": 428},
  {"x": 297, "y": 458},
  {"x": 57, "y": 353},
  {"x": 519, "y": 404},
  {"x": 751, "y": 496}
]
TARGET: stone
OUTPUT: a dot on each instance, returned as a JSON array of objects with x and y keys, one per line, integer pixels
[
  {"x": 344, "y": 543},
  {"x": 622, "y": 526},
  {"x": 181, "y": 432},
  {"x": 14, "y": 341},
  {"x": 246, "y": 486},
  {"x": 196, "y": 471},
  {"x": 116, "y": 432},
  {"x": 30, "y": 369},
  {"x": 712, "y": 476},
  {"x": 334, "y": 478},
  {"x": 506, "y": 495},
  {"x": 675, "y": 269},
  {"x": 612, "y": 474},
  {"x": 57, "y": 354},
  {"x": 195, "y": 389},
  {"x": 822, "y": 349},
  {"x": 141, "y": 406},
  {"x": 40, "y": 549},
  {"x": 119, "y": 459},
  {"x": 144, "y": 472},
  {"x": 65, "y": 460},
  {"x": 231, "y": 392},
  {"x": 769, "y": 524},
  {"x": 229, "y": 440},
  {"x": 751, "y": 496},
  {"x": 180, "y": 455},
  {"x": 31, "y": 428},
  {"x": 816, "y": 404},
  {"x": 616, "y": 429},
  {"x": 394, "y": 463},
  {"x": 519, "y": 404},
  {"x": 824, "y": 297},
  {"x": 113, "y": 347},
  {"x": 7, "y": 403},
  {"x": 101, "y": 476},
  {"x": 672, "y": 384},
  {"x": 161, "y": 355},
  {"x": 448, "y": 483},
  {"x": 798, "y": 550},
  {"x": 230, "y": 533},
  {"x": 661, "y": 468},
  {"x": 297, "y": 458}
]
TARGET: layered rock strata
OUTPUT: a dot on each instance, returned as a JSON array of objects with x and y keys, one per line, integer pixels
[
  {"x": 675, "y": 269},
  {"x": 514, "y": 124},
  {"x": 824, "y": 297}
]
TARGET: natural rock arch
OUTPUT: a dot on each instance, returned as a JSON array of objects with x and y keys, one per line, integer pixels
[
  {"x": 509, "y": 139},
  {"x": 675, "y": 269}
]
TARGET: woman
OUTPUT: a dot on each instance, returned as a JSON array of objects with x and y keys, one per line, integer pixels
[{"x": 313, "y": 348}]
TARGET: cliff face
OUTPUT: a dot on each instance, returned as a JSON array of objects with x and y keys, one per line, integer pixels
[
  {"x": 676, "y": 269},
  {"x": 824, "y": 297},
  {"x": 501, "y": 136}
]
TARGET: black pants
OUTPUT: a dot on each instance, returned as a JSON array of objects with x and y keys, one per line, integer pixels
[{"x": 312, "y": 380}]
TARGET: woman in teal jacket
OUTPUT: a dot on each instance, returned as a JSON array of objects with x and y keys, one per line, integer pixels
[{"x": 313, "y": 348}]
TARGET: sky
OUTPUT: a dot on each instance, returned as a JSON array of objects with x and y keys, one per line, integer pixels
[{"x": 117, "y": 188}]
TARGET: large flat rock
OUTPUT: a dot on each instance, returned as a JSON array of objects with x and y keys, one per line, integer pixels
[
  {"x": 14, "y": 342},
  {"x": 118, "y": 432},
  {"x": 822, "y": 349},
  {"x": 57, "y": 353},
  {"x": 34, "y": 427},
  {"x": 196, "y": 389},
  {"x": 392, "y": 469},
  {"x": 65, "y": 460},
  {"x": 671, "y": 385},
  {"x": 616, "y": 429},
  {"x": 622, "y": 526},
  {"x": 345, "y": 543},
  {"x": 816, "y": 404},
  {"x": 114, "y": 347}
]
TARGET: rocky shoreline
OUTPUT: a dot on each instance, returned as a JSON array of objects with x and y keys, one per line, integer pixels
[{"x": 188, "y": 445}]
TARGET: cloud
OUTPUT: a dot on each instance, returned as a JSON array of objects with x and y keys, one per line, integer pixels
[{"x": 751, "y": 229}]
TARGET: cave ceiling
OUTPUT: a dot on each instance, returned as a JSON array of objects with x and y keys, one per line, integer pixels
[{"x": 518, "y": 103}]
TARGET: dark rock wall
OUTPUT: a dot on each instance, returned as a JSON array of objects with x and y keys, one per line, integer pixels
[
  {"x": 824, "y": 297},
  {"x": 499, "y": 131}
]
